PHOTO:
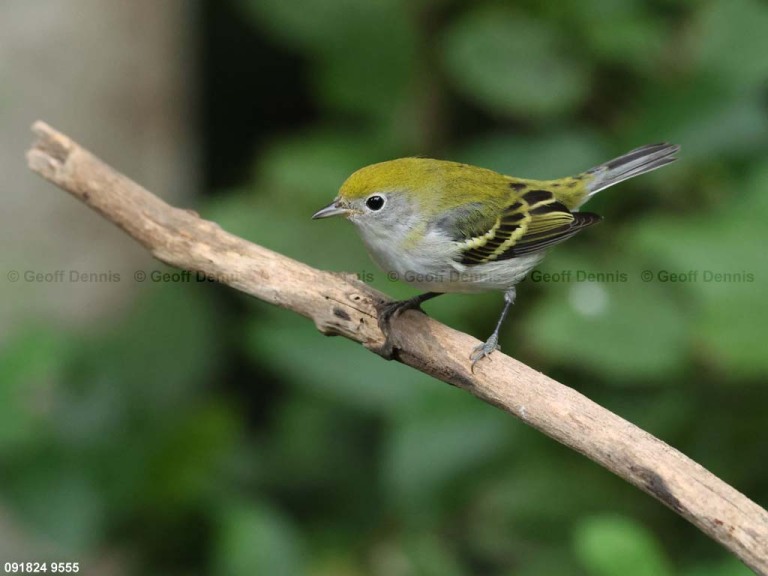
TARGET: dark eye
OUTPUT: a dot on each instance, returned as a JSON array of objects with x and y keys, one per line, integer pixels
[{"x": 375, "y": 202}]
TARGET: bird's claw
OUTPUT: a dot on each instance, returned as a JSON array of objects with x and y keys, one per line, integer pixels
[
  {"x": 484, "y": 350},
  {"x": 388, "y": 312}
]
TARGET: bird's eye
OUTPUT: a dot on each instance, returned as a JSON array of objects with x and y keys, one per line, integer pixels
[{"x": 375, "y": 202}]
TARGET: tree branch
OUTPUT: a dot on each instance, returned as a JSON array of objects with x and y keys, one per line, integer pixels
[{"x": 341, "y": 305}]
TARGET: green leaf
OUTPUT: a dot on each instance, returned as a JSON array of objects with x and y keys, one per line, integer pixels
[
  {"x": 365, "y": 50},
  {"x": 703, "y": 118},
  {"x": 314, "y": 442},
  {"x": 184, "y": 461},
  {"x": 726, "y": 567},
  {"x": 170, "y": 339},
  {"x": 34, "y": 362},
  {"x": 720, "y": 263},
  {"x": 430, "y": 555},
  {"x": 310, "y": 24},
  {"x": 368, "y": 69},
  {"x": 610, "y": 545},
  {"x": 58, "y": 500},
  {"x": 546, "y": 156},
  {"x": 732, "y": 43},
  {"x": 513, "y": 65},
  {"x": 606, "y": 319},
  {"x": 437, "y": 441},
  {"x": 633, "y": 40},
  {"x": 255, "y": 538}
]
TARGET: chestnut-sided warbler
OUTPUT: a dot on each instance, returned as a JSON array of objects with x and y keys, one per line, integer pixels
[{"x": 449, "y": 227}]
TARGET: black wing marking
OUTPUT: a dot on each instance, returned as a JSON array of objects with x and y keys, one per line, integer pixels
[{"x": 533, "y": 222}]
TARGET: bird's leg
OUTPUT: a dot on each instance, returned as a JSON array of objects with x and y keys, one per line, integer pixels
[
  {"x": 391, "y": 310},
  {"x": 492, "y": 343}
]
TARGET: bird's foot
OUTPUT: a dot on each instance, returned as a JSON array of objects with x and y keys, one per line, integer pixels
[
  {"x": 387, "y": 313},
  {"x": 391, "y": 310},
  {"x": 484, "y": 350}
]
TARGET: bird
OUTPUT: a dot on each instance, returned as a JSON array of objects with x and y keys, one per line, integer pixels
[{"x": 449, "y": 227}]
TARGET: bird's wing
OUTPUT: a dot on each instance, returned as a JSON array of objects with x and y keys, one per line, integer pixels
[{"x": 532, "y": 221}]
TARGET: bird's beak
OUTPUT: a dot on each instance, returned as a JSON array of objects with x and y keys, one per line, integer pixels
[{"x": 333, "y": 209}]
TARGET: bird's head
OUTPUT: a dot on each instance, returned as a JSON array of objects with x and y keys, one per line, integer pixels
[{"x": 385, "y": 192}]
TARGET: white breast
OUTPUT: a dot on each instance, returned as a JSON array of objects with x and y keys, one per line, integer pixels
[{"x": 430, "y": 263}]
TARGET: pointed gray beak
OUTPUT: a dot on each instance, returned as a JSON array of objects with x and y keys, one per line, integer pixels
[{"x": 333, "y": 209}]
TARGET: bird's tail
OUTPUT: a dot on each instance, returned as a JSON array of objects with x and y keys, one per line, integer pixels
[{"x": 638, "y": 161}]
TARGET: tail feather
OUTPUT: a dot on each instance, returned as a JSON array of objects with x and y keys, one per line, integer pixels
[{"x": 633, "y": 163}]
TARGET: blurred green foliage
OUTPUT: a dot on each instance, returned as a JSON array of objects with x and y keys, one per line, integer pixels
[{"x": 209, "y": 433}]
